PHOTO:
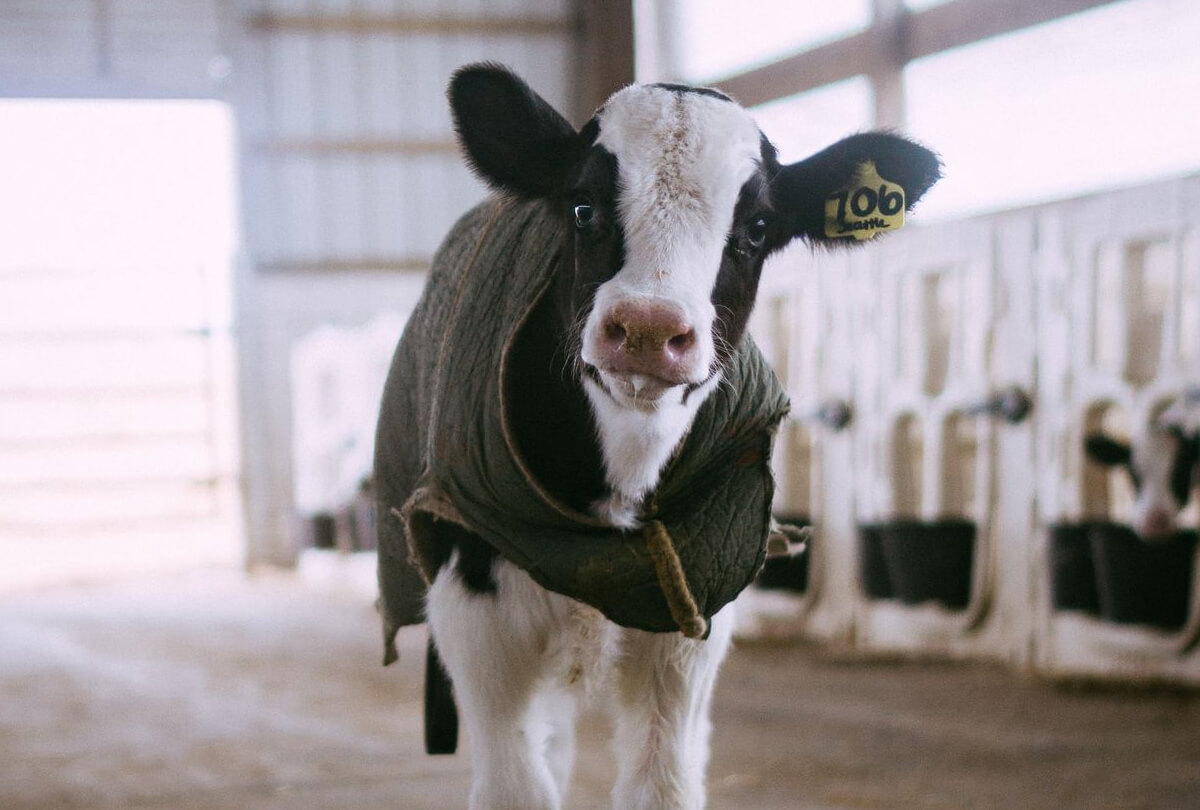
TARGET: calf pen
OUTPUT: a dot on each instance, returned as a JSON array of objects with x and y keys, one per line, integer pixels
[
  {"x": 956, "y": 512},
  {"x": 942, "y": 384}
]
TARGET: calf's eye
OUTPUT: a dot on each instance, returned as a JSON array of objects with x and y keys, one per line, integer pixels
[
  {"x": 756, "y": 232},
  {"x": 584, "y": 214}
]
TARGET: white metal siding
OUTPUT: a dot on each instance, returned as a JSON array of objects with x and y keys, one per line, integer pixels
[
  {"x": 351, "y": 148},
  {"x": 112, "y": 48}
]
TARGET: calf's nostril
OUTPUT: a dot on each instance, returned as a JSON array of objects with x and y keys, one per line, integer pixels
[
  {"x": 614, "y": 332},
  {"x": 682, "y": 342}
]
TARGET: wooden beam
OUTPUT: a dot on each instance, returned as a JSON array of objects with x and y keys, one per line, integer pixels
[
  {"x": 358, "y": 146},
  {"x": 607, "y": 62},
  {"x": 395, "y": 24},
  {"x": 907, "y": 36},
  {"x": 97, "y": 392},
  {"x": 808, "y": 70},
  {"x": 367, "y": 264},
  {"x": 964, "y": 22},
  {"x": 102, "y": 19},
  {"x": 889, "y": 97}
]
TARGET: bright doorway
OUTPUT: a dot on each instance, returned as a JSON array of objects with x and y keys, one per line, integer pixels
[{"x": 117, "y": 421}]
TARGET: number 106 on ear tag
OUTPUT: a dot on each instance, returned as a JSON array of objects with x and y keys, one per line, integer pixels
[{"x": 868, "y": 206}]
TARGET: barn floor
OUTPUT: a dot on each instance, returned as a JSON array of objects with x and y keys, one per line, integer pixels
[{"x": 218, "y": 691}]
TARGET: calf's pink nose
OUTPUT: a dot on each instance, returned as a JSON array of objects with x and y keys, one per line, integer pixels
[{"x": 645, "y": 337}]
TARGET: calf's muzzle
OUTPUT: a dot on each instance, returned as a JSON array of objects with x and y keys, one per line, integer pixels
[{"x": 648, "y": 337}]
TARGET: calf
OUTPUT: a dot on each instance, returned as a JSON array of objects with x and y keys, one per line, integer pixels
[
  {"x": 1163, "y": 462},
  {"x": 573, "y": 446}
]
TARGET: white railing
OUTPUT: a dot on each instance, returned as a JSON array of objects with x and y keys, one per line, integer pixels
[
  {"x": 1090, "y": 308},
  {"x": 117, "y": 429}
]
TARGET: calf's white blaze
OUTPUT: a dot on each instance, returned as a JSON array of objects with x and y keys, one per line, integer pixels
[{"x": 682, "y": 159}]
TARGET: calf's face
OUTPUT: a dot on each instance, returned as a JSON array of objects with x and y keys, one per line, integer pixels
[
  {"x": 1162, "y": 464},
  {"x": 689, "y": 206},
  {"x": 673, "y": 199}
]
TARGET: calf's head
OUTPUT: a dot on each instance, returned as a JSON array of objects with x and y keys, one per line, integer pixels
[
  {"x": 1162, "y": 465},
  {"x": 672, "y": 198}
]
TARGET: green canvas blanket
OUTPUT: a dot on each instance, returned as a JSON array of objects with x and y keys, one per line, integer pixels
[{"x": 444, "y": 454}]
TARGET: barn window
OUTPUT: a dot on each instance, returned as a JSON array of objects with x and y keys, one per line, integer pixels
[
  {"x": 803, "y": 124},
  {"x": 745, "y": 41},
  {"x": 116, "y": 357},
  {"x": 1116, "y": 89}
]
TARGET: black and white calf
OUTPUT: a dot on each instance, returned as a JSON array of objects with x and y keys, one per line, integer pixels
[
  {"x": 1163, "y": 462},
  {"x": 667, "y": 201}
]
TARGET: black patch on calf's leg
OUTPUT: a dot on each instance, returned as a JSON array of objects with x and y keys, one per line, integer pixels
[
  {"x": 441, "y": 713},
  {"x": 476, "y": 559}
]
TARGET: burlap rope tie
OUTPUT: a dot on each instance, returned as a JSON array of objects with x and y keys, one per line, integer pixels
[{"x": 672, "y": 581}]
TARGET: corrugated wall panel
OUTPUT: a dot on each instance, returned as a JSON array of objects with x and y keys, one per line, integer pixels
[
  {"x": 164, "y": 38},
  {"x": 289, "y": 95},
  {"x": 355, "y": 96},
  {"x": 53, "y": 41},
  {"x": 112, "y": 48}
]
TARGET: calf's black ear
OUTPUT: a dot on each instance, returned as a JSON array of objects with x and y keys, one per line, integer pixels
[
  {"x": 852, "y": 190},
  {"x": 513, "y": 139},
  {"x": 1106, "y": 451}
]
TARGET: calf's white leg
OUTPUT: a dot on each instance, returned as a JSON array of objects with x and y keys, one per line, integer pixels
[
  {"x": 494, "y": 646},
  {"x": 553, "y": 713},
  {"x": 664, "y": 694}
]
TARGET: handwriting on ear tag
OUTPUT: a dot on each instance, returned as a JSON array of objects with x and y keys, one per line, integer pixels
[{"x": 868, "y": 206}]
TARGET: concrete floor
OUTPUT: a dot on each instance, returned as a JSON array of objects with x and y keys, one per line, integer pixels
[{"x": 215, "y": 692}]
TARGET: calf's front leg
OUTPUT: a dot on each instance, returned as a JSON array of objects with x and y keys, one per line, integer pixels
[
  {"x": 664, "y": 694},
  {"x": 492, "y": 645}
]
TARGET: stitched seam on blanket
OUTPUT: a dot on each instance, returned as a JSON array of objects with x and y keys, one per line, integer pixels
[
  {"x": 435, "y": 410},
  {"x": 510, "y": 442}
]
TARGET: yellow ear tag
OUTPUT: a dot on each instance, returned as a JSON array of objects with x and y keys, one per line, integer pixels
[{"x": 867, "y": 207}]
